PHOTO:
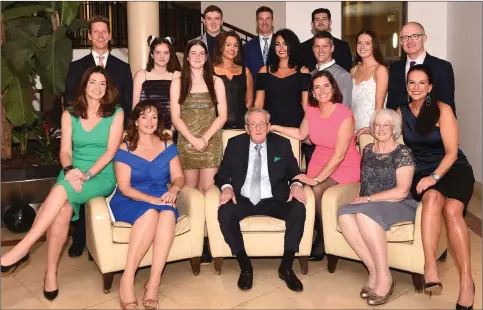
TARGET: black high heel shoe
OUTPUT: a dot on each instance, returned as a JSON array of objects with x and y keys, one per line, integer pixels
[
  {"x": 15, "y": 265},
  {"x": 460, "y": 307},
  {"x": 433, "y": 288},
  {"x": 52, "y": 294}
]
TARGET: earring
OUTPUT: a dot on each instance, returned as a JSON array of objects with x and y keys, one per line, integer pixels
[{"x": 428, "y": 100}]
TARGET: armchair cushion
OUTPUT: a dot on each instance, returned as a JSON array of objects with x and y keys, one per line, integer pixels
[
  {"x": 121, "y": 231},
  {"x": 260, "y": 223}
]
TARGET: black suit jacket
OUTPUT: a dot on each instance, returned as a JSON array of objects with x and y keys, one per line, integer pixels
[
  {"x": 342, "y": 54},
  {"x": 282, "y": 165},
  {"x": 119, "y": 72},
  {"x": 443, "y": 82}
]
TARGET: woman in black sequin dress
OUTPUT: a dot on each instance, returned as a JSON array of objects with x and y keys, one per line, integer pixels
[{"x": 154, "y": 82}]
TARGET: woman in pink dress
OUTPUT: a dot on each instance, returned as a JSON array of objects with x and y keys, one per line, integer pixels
[{"x": 336, "y": 160}]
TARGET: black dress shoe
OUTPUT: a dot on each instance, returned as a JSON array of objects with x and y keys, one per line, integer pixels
[
  {"x": 290, "y": 279},
  {"x": 75, "y": 250},
  {"x": 245, "y": 281},
  {"x": 51, "y": 295},
  {"x": 316, "y": 257},
  {"x": 15, "y": 265}
]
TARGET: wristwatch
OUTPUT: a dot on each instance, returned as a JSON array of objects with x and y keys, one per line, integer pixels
[
  {"x": 316, "y": 180},
  {"x": 435, "y": 176},
  {"x": 89, "y": 175}
]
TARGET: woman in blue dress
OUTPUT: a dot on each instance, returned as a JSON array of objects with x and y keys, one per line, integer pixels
[{"x": 146, "y": 162}]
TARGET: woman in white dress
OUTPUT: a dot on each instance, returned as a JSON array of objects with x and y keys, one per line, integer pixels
[{"x": 369, "y": 81}]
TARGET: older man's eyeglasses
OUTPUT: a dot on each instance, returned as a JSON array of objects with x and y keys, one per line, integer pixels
[
  {"x": 412, "y": 37},
  {"x": 383, "y": 126},
  {"x": 262, "y": 125}
]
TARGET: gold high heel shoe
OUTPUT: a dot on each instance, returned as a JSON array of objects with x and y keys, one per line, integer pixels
[
  {"x": 365, "y": 292},
  {"x": 375, "y": 300},
  {"x": 150, "y": 304},
  {"x": 127, "y": 305}
]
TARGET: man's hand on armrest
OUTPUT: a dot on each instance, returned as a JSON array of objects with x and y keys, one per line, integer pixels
[{"x": 227, "y": 194}]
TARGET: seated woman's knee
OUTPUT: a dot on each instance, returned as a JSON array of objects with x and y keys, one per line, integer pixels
[
  {"x": 433, "y": 197},
  {"x": 453, "y": 211}
]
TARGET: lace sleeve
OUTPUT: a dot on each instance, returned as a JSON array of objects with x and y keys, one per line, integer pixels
[{"x": 404, "y": 157}]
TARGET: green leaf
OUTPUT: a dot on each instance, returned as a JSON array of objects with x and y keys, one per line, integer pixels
[
  {"x": 79, "y": 23},
  {"x": 68, "y": 11},
  {"x": 54, "y": 62},
  {"x": 42, "y": 40},
  {"x": 24, "y": 11},
  {"x": 32, "y": 26},
  {"x": 18, "y": 105},
  {"x": 6, "y": 74},
  {"x": 19, "y": 55}
]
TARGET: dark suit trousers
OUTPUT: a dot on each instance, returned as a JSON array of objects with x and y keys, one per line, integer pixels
[
  {"x": 292, "y": 212},
  {"x": 79, "y": 232}
]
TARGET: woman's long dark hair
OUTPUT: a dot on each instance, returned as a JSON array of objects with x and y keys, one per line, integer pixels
[
  {"x": 429, "y": 113},
  {"x": 220, "y": 47},
  {"x": 293, "y": 47},
  {"x": 132, "y": 134},
  {"x": 186, "y": 74},
  {"x": 376, "y": 46},
  {"x": 173, "y": 63},
  {"x": 108, "y": 103},
  {"x": 337, "y": 94}
]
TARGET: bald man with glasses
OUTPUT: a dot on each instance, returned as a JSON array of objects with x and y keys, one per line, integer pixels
[{"x": 412, "y": 40}]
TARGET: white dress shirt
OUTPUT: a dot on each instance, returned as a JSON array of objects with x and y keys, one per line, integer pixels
[
  {"x": 419, "y": 61},
  {"x": 96, "y": 58},
  {"x": 262, "y": 42},
  {"x": 325, "y": 66}
]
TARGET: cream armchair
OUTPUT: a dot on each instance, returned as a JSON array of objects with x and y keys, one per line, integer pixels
[
  {"x": 107, "y": 242},
  {"x": 405, "y": 247},
  {"x": 263, "y": 235}
]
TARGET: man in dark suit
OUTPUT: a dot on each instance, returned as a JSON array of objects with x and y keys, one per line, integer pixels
[
  {"x": 119, "y": 71},
  {"x": 255, "y": 51},
  {"x": 120, "y": 74},
  {"x": 256, "y": 177},
  {"x": 412, "y": 41},
  {"x": 321, "y": 21}
]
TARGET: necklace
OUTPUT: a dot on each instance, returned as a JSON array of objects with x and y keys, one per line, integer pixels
[{"x": 147, "y": 145}]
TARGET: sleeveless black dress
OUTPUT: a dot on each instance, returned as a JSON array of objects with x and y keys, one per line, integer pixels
[
  {"x": 158, "y": 90},
  {"x": 428, "y": 151},
  {"x": 283, "y": 97},
  {"x": 236, "y": 90}
]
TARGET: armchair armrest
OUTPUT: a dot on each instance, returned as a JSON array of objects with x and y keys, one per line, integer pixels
[
  {"x": 191, "y": 202},
  {"x": 216, "y": 239},
  {"x": 98, "y": 230},
  {"x": 306, "y": 242},
  {"x": 333, "y": 198}
]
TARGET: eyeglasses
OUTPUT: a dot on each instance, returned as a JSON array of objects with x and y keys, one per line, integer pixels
[
  {"x": 384, "y": 126},
  {"x": 255, "y": 125},
  {"x": 412, "y": 37}
]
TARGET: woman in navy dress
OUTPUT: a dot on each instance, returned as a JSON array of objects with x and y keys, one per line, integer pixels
[
  {"x": 443, "y": 180},
  {"x": 145, "y": 164}
]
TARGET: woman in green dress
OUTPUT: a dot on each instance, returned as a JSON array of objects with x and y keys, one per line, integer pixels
[{"x": 91, "y": 133}]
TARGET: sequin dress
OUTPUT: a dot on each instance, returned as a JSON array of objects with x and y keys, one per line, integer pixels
[{"x": 198, "y": 112}]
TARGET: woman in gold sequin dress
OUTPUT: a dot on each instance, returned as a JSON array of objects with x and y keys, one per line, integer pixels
[{"x": 198, "y": 112}]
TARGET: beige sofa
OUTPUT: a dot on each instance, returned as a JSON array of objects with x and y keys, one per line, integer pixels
[
  {"x": 404, "y": 239},
  {"x": 263, "y": 235},
  {"x": 107, "y": 242}
]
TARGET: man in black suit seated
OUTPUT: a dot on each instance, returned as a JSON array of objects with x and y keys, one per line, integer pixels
[
  {"x": 412, "y": 41},
  {"x": 321, "y": 21},
  {"x": 256, "y": 178},
  {"x": 120, "y": 73}
]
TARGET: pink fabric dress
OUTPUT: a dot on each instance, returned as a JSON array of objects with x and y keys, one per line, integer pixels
[{"x": 323, "y": 134}]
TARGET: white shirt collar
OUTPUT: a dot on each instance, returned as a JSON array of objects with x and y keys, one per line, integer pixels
[
  {"x": 325, "y": 66},
  {"x": 419, "y": 60},
  {"x": 96, "y": 57},
  {"x": 252, "y": 144}
]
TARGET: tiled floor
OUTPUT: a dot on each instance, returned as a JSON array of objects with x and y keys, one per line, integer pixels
[{"x": 80, "y": 284}]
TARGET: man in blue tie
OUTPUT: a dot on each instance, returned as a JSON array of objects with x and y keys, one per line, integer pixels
[
  {"x": 255, "y": 51},
  {"x": 256, "y": 178}
]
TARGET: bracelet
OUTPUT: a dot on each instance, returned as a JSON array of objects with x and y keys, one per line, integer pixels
[
  {"x": 67, "y": 169},
  {"x": 178, "y": 190},
  {"x": 89, "y": 175}
]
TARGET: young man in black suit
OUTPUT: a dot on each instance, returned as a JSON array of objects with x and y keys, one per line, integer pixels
[
  {"x": 321, "y": 21},
  {"x": 120, "y": 73},
  {"x": 412, "y": 41},
  {"x": 256, "y": 178}
]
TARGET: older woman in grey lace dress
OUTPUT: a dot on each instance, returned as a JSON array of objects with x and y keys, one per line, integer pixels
[{"x": 387, "y": 170}]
